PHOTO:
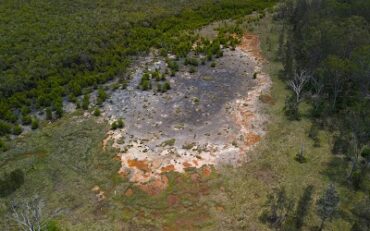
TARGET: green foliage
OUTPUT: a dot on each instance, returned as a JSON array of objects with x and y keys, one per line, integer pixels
[
  {"x": 114, "y": 125},
  {"x": 52, "y": 226},
  {"x": 102, "y": 96},
  {"x": 163, "y": 87},
  {"x": 145, "y": 83},
  {"x": 5, "y": 128},
  {"x": 291, "y": 108},
  {"x": 191, "y": 61},
  {"x": 97, "y": 112},
  {"x": 365, "y": 153},
  {"x": 120, "y": 123},
  {"x": 34, "y": 123},
  {"x": 17, "y": 130},
  {"x": 169, "y": 142},
  {"x": 173, "y": 65},
  {"x": 26, "y": 119},
  {"x": 85, "y": 102},
  {"x": 49, "y": 114},
  {"x": 117, "y": 124},
  {"x": 2, "y": 145},
  {"x": 192, "y": 70}
]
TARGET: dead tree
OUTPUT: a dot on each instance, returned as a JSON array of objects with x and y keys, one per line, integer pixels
[
  {"x": 297, "y": 84},
  {"x": 28, "y": 214}
]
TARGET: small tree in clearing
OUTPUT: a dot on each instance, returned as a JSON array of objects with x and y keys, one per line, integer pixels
[{"x": 327, "y": 205}]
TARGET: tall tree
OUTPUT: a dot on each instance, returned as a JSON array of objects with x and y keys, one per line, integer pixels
[{"x": 327, "y": 205}]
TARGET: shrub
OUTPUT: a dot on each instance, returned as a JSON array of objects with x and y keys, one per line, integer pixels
[
  {"x": 313, "y": 134},
  {"x": 120, "y": 123},
  {"x": 114, "y": 125},
  {"x": 97, "y": 112},
  {"x": 173, "y": 65},
  {"x": 192, "y": 70},
  {"x": 26, "y": 120},
  {"x": 291, "y": 108},
  {"x": 357, "y": 179},
  {"x": 35, "y": 123},
  {"x": 191, "y": 61},
  {"x": 17, "y": 130},
  {"x": 102, "y": 96},
  {"x": 145, "y": 83},
  {"x": 300, "y": 156},
  {"x": 49, "y": 114},
  {"x": 166, "y": 86},
  {"x": 213, "y": 64},
  {"x": 2, "y": 145}
]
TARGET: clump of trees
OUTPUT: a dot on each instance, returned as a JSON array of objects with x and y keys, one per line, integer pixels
[
  {"x": 325, "y": 50},
  {"x": 283, "y": 213}
]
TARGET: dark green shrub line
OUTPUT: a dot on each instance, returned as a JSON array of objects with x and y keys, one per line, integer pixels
[{"x": 54, "y": 50}]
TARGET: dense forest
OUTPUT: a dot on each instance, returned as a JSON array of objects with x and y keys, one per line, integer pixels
[
  {"x": 51, "y": 51},
  {"x": 325, "y": 49}
]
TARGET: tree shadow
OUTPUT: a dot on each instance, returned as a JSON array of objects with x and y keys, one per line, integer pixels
[{"x": 336, "y": 170}]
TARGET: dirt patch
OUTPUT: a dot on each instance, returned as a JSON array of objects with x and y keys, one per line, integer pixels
[
  {"x": 252, "y": 138},
  {"x": 187, "y": 165},
  {"x": 155, "y": 186},
  {"x": 207, "y": 171},
  {"x": 251, "y": 43},
  {"x": 168, "y": 168},
  {"x": 139, "y": 164},
  {"x": 265, "y": 175},
  {"x": 172, "y": 200},
  {"x": 129, "y": 192},
  {"x": 169, "y": 132},
  {"x": 267, "y": 99}
]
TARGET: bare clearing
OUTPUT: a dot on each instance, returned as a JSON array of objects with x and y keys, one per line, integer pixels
[{"x": 211, "y": 117}]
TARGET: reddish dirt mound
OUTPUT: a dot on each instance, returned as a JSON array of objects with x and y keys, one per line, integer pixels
[
  {"x": 172, "y": 200},
  {"x": 186, "y": 164},
  {"x": 195, "y": 177},
  {"x": 129, "y": 192},
  {"x": 252, "y": 138},
  {"x": 251, "y": 43},
  {"x": 156, "y": 186},
  {"x": 139, "y": 164},
  {"x": 168, "y": 168},
  {"x": 207, "y": 171}
]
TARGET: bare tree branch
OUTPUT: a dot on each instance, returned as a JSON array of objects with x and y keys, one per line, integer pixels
[{"x": 297, "y": 84}]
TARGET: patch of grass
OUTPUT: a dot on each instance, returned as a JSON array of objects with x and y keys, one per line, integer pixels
[
  {"x": 61, "y": 163},
  {"x": 188, "y": 146},
  {"x": 169, "y": 142}
]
